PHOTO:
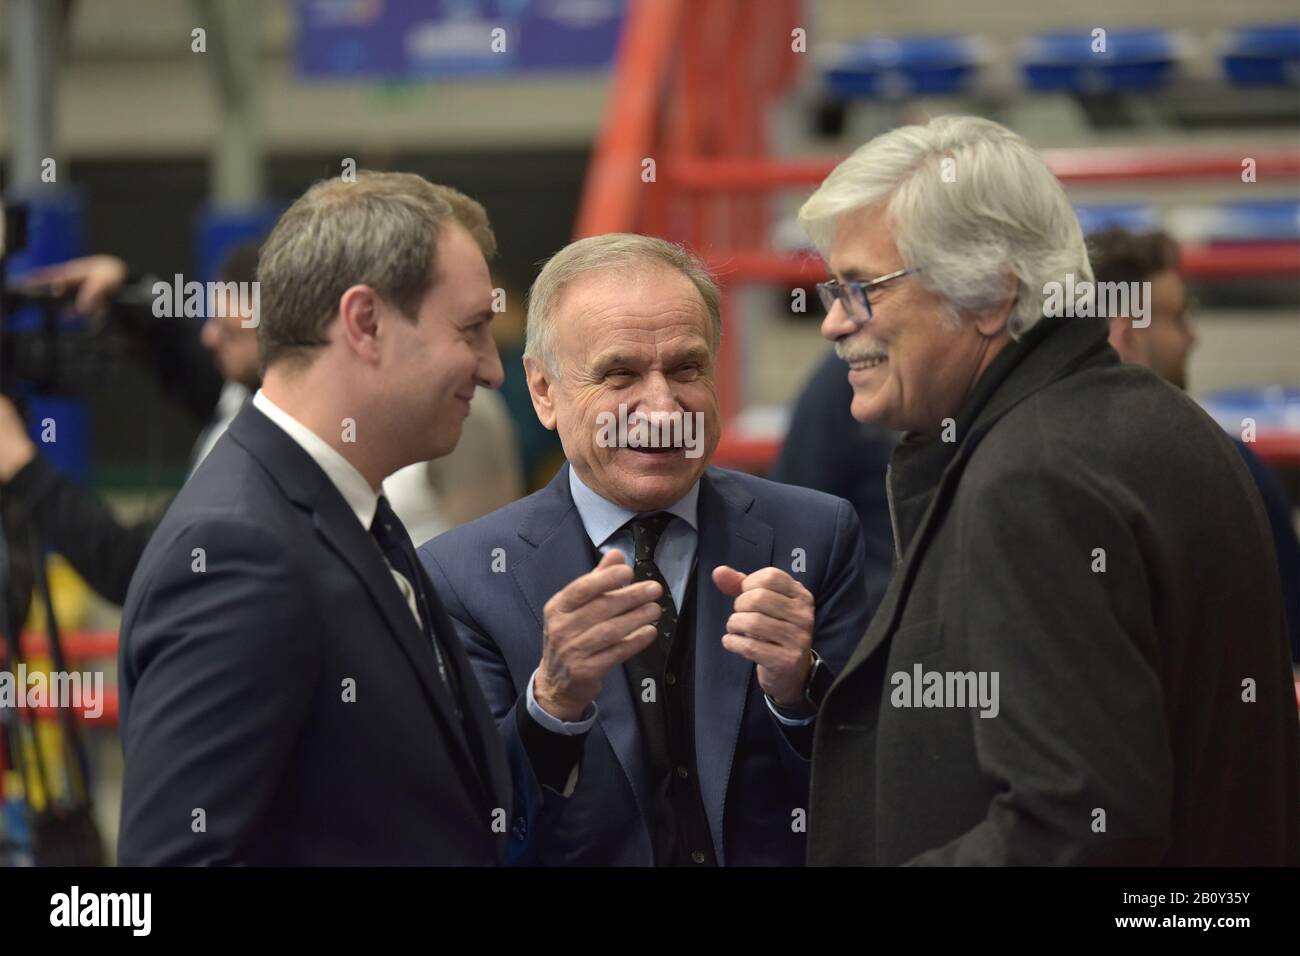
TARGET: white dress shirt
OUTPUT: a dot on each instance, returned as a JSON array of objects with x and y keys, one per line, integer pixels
[{"x": 351, "y": 484}]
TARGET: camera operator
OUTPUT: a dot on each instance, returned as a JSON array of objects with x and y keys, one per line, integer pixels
[{"x": 209, "y": 371}]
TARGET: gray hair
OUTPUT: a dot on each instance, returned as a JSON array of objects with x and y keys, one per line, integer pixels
[
  {"x": 381, "y": 230},
  {"x": 614, "y": 250},
  {"x": 994, "y": 209}
]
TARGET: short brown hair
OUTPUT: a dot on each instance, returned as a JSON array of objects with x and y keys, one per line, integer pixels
[
  {"x": 380, "y": 230},
  {"x": 1121, "y": 255}
]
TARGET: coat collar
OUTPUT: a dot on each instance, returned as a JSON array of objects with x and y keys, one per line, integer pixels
[
  {"x": 1052, "y": 348},
  {"x": 924, "y": 470}
]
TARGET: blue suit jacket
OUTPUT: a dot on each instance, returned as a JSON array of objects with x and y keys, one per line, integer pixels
[
  {"x": 233, "y": 686},
  {"x": 495, "y": 575}
]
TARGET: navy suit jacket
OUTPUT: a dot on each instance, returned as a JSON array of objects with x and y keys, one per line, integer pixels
[
  {"x": 496, "y": 574},
  {"x": 234, "y": 670}
]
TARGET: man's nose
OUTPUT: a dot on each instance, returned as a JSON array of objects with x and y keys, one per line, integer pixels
[
  {"x": 656, "y": 394},
  {"x": 837, "y": 323},
  {"x": 491, "y": 374}
]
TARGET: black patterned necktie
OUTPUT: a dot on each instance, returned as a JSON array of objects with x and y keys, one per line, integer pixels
[
  {"x": 646, "y": 531},
  {"x": 395, "y": 543}
]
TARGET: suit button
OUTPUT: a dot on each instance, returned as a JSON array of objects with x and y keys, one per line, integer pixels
[
  {"x": 683, "y": 772},
  {"x": 671, "y": 679},
  {"x": 697, "y": 856}
]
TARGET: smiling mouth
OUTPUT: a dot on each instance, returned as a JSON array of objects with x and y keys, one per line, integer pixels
[{"x": 858, "y": 365}]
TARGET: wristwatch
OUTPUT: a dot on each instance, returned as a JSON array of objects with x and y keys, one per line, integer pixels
[{"x": 820, "y": 679}]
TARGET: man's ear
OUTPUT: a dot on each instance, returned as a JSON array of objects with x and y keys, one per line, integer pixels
[
  {"x": 540, "y": 386},
  {"x": 992, "y": 322},
  {"x": 358, "y": 322},
  {"x": 1123, "y": 339}
]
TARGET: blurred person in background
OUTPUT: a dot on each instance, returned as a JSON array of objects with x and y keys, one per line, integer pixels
[
  {"x": 480, "y": 476},
  {"x": 1119, "y": 255},
  {"x": 1076, "y": 660},
  {"x": 185, "y": 359},
  {"x": 826, "y": 449},
  {"x": 540, "y": 452}
]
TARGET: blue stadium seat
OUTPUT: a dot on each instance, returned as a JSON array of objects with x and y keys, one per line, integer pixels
[
  {"x": 1264, "y": 55},
  {"x": 1133, "y": 61},
  {"x": 895, "y": 67},
  {"x": 1274, "y": 407},
  {"x": 1137, "y": 217},
  {"x": 1261, "y": 220}
]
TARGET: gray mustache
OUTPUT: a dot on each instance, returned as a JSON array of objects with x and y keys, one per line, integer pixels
[{"x": 858, "y": 353}]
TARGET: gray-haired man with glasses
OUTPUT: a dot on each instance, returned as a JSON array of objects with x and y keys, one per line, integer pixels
[{"x": 1080, "y": 654}]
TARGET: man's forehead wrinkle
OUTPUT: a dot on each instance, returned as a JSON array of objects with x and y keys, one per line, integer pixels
[
  {"x": 602, "y": 325},
  {"x": 635, "y": 344},
  {"x": 601, "y": 314}
]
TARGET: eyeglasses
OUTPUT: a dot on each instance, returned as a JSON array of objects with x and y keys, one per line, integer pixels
[{"x": 853, "y": 295}]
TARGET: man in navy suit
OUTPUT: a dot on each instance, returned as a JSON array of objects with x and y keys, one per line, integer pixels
[
  {"x": 293, "y": 692},
  {"x": 689, "y": 681}
]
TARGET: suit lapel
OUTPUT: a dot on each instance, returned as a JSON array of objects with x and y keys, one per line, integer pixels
[
  {"x": 561, "y": 551},
  {"x": 305, "y": 484},
  {"x": 728, "y": 535},
  {"x": 478, "y": 725},
  {"x": 340, "y": 528}
]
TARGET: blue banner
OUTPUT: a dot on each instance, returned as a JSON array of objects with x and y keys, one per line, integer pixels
[{"x": 415, "y": 39}]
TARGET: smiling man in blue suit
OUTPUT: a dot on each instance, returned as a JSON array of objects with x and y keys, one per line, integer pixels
[{"x": 688, "y": 681}]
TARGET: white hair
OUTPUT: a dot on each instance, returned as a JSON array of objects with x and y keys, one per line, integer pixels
[
  {"x": 971, "y": 203},
  {"x": 615, "y": 250}
]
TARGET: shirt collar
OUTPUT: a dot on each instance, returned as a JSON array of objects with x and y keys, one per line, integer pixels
[
  {"x": 351, "y": 484},
  {"x": 602, "y": 518}
]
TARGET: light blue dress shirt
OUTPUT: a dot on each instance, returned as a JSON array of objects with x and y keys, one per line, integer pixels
[{"x": 607, "y": 526}]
